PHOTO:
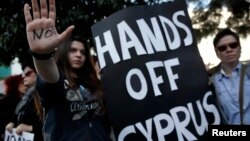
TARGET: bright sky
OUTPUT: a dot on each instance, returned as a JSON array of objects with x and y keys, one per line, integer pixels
[{"x": 16, "y": 67}]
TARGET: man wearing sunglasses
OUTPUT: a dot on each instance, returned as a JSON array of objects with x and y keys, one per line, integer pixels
[{"x": 226, "y": 79}]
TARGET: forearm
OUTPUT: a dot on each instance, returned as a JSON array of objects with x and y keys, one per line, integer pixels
[
  {"x": 23, "y": 128},
  {"x": 43, "y": 37},
  {"x": 47, "y": 69}
]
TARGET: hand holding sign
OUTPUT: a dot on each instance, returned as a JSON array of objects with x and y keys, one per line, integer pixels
[{"x": 25, "y": 136}]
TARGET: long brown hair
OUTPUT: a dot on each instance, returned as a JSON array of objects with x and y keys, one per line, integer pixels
[
  {"x": 37, "y": 102},
  {"x": 86, "y": 74},
  {"x": 38, "y": 106}
]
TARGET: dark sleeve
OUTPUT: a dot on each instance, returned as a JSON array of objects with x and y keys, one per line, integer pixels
[
  {"x": 37, "y": 129},
  {"x": 7, "y": 115},
  {"x": 50, "y": 93}
]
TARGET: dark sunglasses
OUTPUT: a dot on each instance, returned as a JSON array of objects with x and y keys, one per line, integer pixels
[
  {"x": 28, "y": 73},
  {"x": 231, "y": 45}
]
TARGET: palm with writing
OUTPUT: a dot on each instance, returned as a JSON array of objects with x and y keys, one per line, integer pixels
[{"x": 41, "y": 31}]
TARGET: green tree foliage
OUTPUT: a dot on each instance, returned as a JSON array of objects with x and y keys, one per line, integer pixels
[
  {"x": 84, "y": 13},
  {"x": 206, "y": 19}
]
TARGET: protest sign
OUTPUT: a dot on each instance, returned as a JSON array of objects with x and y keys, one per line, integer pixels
[{"x": 154, "y": 79}]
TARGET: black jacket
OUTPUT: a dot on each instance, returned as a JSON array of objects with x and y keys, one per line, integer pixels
[{"x": 26, "y": 113}]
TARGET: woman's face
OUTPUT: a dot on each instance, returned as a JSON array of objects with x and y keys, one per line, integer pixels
[{"x": 77, "y": 55}]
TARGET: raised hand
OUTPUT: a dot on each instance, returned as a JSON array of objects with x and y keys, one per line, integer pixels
[{"x": 41, "y": 30}]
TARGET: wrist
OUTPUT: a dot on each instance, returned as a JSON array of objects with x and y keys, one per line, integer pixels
[
  {"x": 30, "y": 128},
  {"x": 44, "y": 56}
]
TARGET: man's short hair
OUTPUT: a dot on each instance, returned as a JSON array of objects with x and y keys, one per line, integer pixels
[{"x": 224, "y": 32}]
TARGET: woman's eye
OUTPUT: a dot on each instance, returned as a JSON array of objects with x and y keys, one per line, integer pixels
[{"x": 72, "y": 50}]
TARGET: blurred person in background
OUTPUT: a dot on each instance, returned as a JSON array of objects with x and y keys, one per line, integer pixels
[
  {"x": 14, "y": 90},
  {"x": 28, "y": 112}
]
